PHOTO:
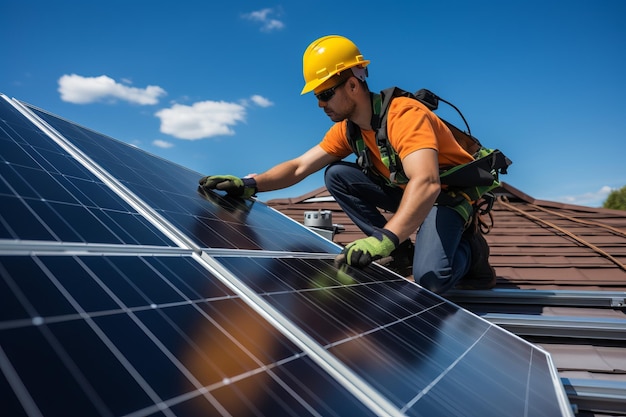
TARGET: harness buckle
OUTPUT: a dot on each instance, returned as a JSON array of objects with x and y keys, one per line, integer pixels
[{"x": 364, "y": 161}]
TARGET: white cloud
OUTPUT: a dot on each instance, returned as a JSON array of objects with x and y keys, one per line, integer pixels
[
  {"x": 261, "y": 101},
  {"x": 162, "y": 144},
  {"x": 82, "y": 90},
  {"x": 201, "y": 120},
  {"x": 591, "y": 199},
  {"x": 268, "y": 24}
]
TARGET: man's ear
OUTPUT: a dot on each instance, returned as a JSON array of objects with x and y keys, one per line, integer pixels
[{"x": 352, "y": 83}]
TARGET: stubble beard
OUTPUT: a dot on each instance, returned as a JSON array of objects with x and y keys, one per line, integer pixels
[{"x": 340, "y": 116}]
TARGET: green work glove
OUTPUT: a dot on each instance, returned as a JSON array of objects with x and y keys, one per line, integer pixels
[
  {"x": 234, "y": 186},
  {"x": 362, "y": 252}
]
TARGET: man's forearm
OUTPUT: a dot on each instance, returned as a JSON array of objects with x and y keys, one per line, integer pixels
[
  {"x": 295, "y": 170},
  {"x": 280, "y": 176},
  {"x": 416, "y": 203}
]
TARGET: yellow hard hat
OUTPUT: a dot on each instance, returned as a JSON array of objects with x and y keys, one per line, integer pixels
[{"x": 327, "y": 56}]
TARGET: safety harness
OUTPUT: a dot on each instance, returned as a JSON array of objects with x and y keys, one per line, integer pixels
[{"x": 466, "y": 187}]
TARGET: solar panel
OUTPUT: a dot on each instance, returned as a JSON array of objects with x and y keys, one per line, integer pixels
[
  {"x": 126, "y": 292},
  {"x": 171, "y": 190}
]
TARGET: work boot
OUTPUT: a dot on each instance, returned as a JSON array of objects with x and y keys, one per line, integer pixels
[
  {"x": 481, "y": 275},
  {"x": 400, "y": 260}
]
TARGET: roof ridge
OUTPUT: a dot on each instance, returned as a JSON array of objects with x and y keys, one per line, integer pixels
[{"x": 299, "y": 199}]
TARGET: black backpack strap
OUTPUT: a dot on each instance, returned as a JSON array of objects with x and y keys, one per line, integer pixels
[
  {"x": 355, "y": 139},
  {"x": 353, "y": 133},
  {"x": 387, "y": 153}
]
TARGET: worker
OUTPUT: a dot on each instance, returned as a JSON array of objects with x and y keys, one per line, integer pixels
[{"x": 444, "y": 255}]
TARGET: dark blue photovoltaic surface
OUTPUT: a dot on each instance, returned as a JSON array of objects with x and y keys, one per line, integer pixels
[
  {"x": 402, "y": 339},
  {"x": 112, "y": 335},
  {"x": 47, "y": 195},
  {"x": 212, "y": 220}
]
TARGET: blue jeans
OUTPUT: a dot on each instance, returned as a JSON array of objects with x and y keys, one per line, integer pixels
[{"x": 442, "y": 256}]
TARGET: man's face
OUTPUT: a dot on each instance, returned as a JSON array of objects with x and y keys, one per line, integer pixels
[{"x": 332, "y": 98}]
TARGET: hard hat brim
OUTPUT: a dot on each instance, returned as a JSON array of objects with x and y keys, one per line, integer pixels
[{"x": 313, "y": 84}]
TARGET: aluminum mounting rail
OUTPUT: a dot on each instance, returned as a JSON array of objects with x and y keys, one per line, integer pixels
[
  {"x": 560, "y": 326},
  {"x": 609, "y": 299},
  {"x": 596, "y": 395}
]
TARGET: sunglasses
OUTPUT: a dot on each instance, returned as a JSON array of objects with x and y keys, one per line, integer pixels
[{"x": 329, "y": 93}]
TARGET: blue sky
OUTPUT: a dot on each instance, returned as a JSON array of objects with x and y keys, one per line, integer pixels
[{"x": 215, "y": 86}]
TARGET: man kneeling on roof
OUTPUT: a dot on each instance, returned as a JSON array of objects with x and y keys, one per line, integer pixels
[{"x": 446, "y": 253}]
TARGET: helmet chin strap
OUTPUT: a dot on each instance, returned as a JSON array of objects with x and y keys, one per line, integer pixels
[{"x": 359, "y": 72}]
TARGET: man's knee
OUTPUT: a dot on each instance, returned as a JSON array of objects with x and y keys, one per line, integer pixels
[
  {"x": 332, "y": 178},
  {"x": 338, "y": 175},
  {"x": 339, "y": 168},
  {"x": 331, "y": 171}
]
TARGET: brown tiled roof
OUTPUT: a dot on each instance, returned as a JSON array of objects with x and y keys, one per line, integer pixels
[
  {"x": 533, "y": 243},
  {"x": 561, "y": 278}
]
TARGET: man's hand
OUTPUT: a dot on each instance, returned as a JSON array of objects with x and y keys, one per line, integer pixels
[
  {"x": 234, "y": 186},
  {"x": 362, "y": 252}
]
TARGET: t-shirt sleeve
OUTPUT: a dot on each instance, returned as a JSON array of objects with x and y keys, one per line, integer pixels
[{"x": 335, "y": 141}]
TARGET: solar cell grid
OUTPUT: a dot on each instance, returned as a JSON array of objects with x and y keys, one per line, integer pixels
[
  {"x": 120, "y": 343},
  {"x": 47, "y": 195},
  {"x": 172, "y": 191},
  {"x": 409, "y": 344}
]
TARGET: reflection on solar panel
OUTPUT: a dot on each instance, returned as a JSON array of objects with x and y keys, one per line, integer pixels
[{"x": 126, "y": 292}]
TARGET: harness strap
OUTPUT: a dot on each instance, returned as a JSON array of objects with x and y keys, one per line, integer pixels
[{"x": 388, "y": 155}]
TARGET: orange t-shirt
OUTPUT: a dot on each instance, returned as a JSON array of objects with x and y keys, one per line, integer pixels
[{"x": 411, "y": 126}]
